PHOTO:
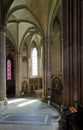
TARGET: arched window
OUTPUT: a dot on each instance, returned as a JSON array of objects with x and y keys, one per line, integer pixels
[
  {"x": 34, "y": 62},
  {"x": 8, "y": 69}
]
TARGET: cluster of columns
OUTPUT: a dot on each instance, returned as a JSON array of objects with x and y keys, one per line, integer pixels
[
  {"x": 3, "y": 13},
  {"x": 2, "y": 65},
  {"x": 72, "y": 51},
  {"x": 46, "y": 66},
  {"x": 18, "y": 74}
]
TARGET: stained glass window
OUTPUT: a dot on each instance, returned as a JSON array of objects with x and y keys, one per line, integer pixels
[
  {"x": 34, "y": 62},
  {"x": 8, "y": 69}
]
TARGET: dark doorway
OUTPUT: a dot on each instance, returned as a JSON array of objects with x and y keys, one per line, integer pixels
[{"x": 10, "y": 89}]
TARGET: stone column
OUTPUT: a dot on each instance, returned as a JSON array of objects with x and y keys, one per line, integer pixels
[
  {"x": 72, "y": 53},
  {"x": 81, "y": 48},
  {"x": 18, "y": 75},
  {"x": 46, "y": 66},
  {"x": 2, "y": 66}
]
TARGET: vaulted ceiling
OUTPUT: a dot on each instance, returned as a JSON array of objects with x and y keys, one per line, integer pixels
[{"x": 31, "y": 19}]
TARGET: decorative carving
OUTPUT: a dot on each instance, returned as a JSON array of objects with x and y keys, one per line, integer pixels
[
  {"x": 36, "y": 83},
  {"x": 56, "y": 92},
  {"x": 56, "y": 84}
]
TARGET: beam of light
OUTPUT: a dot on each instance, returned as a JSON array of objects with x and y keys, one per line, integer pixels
[
  {"x": 27, "y": 103},
  {"x": 16, "y": 100}
]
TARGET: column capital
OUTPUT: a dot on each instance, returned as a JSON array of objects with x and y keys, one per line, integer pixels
[
  {"x": 46, "y": 39},
  {"x": 18, "y": 55}
]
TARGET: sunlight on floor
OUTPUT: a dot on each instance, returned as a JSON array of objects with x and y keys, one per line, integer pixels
[
  {"x": 16, "y": 100},
  {"x": 27, "y": 103}
]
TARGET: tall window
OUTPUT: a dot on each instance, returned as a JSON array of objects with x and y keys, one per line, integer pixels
[
  {"x": 34, "y": 62},
  {"x": 8, "y": 69}
]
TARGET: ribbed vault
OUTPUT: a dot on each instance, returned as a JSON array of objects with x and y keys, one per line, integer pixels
[{"x": 30, "y": 17}]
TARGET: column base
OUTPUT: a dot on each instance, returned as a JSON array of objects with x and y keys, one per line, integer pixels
[
  {"x": 3, "y": 104},
  {"x": 44, "y": 98}
]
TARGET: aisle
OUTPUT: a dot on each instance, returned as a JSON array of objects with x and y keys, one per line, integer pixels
[{"x": 29, "y": 114}]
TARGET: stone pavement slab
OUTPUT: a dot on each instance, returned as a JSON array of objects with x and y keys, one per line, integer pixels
[{"x": 29, "y": 114}]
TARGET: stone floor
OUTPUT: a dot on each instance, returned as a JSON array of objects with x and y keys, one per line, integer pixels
[{"x": 29, "y": 114}]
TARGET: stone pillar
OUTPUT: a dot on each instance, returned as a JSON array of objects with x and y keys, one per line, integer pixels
[
  {"x": 72, "y": 52},
  {"x": 46, "y": 66},
  {"x": 18, "y": 75},
  {"x": 66, "y": 86},
  {"x": 2, "y": 66},
  {"x": 81, "y": 48}
]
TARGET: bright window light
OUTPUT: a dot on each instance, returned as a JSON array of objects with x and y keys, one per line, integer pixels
[{"x": 34, "y": 62}]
